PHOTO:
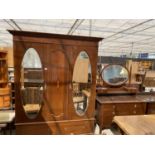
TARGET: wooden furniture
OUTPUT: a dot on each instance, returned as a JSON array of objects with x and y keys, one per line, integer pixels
[
  {"x": 149, "y": 80},
  {"x": 118, "y": 97},
  {"x": 120, "y": 105},
  {"x": 11, "y": 85},
  {"x": 115, "y": 78},
  {"x": 108, "y": 107},
  {"x": 3, "y": 128},
  {"x": 7, "y": 120},
  {"x": 7, "y": 116},
  {"x": 136, "y": 125},
  {"x": 4, "y": 89},
  {"x": 57, "y": 54},
  {"x": 138, "y": 70}
]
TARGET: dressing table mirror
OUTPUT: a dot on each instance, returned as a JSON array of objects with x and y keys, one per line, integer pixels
[
  {"x": 116, "y": 79},
  {"x": 115, "y": 75}
]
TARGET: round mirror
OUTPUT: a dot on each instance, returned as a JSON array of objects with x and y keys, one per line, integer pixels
[
  {"x": 31, "y": 83},
  {"x": 81, "y": 83},
  {"x": 115, "y": 75}
]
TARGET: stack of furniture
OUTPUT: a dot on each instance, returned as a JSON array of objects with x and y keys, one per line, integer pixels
[
  {"x": 138, "y": 69},
  {"x": 4, "y": 89}
]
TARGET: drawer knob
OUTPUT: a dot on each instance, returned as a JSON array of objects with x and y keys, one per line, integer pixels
[
  {"x": 134, "y": 112},
  {"x": 135, "y": 105},
  {"x": 113, "y": 113}
]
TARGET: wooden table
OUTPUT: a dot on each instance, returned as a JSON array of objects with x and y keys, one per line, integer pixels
[
  {"x": 136, "y": 125},
  {"x": 6, "y": 119},
  {"x": 7, "y": 116}
]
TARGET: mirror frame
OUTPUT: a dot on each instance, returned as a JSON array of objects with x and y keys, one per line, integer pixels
[{"x": 110, "y": 84}]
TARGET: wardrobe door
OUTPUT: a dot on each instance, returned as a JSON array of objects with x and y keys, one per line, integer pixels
[
  {"x": 20, "y": 49},
  {"x": 81, "y": 83},
  {"x": 56, "y": 81}
]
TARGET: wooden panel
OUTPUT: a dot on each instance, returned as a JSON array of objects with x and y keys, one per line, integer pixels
[
  {"x": 10, "y": 57},
  {"x": 140, "y": 108},
  {"x": 108, "y": 114},
  {"x": 56, "y": 128},
  {"x": 56, "y": 77},
  {"x": 150, "y": 108},
  {"x": 125, "y": 109}
]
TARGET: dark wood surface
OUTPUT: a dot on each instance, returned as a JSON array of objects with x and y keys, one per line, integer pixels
[
  {"x": 126, "y": 99},
  {"x": 136, "y": 125},
  {"x": 50, "y": 35},
  {"x": 120, "y": 105},
  {"x": 58, "y": 54}
]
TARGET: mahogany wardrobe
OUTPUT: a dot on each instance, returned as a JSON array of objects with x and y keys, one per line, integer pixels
[{"x": 55, "y": 83}]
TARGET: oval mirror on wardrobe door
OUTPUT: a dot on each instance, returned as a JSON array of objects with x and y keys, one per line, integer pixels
[
  {"x": 81, "y": 83},
  {"x": 31, "y": 83}
]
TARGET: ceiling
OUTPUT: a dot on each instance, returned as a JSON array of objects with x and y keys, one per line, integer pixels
[{"x": 121, "y": 36}]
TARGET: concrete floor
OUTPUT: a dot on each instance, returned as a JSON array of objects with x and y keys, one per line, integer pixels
[{"x": 111, "y": 131}]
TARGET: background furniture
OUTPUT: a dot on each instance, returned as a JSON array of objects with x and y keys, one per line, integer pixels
[
  {"x": 120, "y": 99},
  {"x": 11, "y": 85},
  {"x": 121, "y": 105},
  {"x": 58, "y": 54},
  {"x": 136, "y": 125},
  {"x": 7, "y": 120},
  {"x": 4, "y": 89}
]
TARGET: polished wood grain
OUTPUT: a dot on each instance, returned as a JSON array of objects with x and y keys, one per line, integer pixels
[
  {"x": 4, "y": 88},
  {"x": 136, "y": 125},
  {"x": 58, "y": 54},
  {"x": 120, "y": 105}
]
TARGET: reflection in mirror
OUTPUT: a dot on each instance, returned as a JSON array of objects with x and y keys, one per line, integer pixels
[
  {"x": 31, "y": 83},
  {"x": 115, "y": 75},
  {"x": 81, "y": 82}
]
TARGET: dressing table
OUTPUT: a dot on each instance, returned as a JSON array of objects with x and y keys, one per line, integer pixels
[{"x": 117, "y": 97}]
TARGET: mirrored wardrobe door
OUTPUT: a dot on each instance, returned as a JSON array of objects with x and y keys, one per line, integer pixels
[
  {"x": 32, "y": 83},
  {"x": 81, "y": 83}
]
